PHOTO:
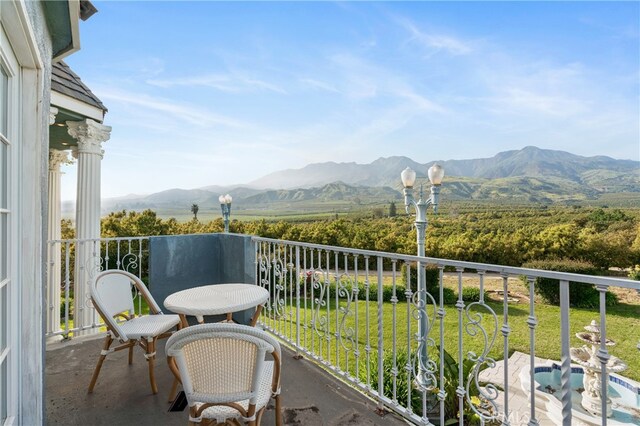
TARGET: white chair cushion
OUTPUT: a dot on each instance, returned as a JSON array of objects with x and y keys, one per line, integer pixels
[
  {"x": 221, "y": 413},
  {"x": 149, "y": 325}
]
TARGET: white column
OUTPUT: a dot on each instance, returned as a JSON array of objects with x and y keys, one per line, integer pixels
[
  {"x": 90, "y": 136},
  {"x": 56, "y": 158}
]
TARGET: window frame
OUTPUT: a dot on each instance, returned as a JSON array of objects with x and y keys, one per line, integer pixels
[{"x": 10, "y": 354}]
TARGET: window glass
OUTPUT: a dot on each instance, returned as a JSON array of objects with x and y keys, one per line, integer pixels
[
  {"x": 4, "y": 95},
  {"x": 4, "y": 317},
  {"x": 3, "y": 391},
  {"x": 4, "y": 246},
  {"x": 4, "y": 174}
]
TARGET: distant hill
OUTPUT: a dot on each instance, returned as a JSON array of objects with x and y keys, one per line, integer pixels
[
  {"x": 335, "y": 191},
  {"x": 207, "y": 196},
  {"x": 377, "y": 173},
  {"x": 529, "y": 161},
  {"x": 250, "y": 198},
  {"x": 527, "y": 175}
]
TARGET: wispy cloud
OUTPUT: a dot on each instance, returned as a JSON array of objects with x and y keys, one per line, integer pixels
[
  {"x": 618, "y": 31},
  {"x": 365, "y": 80},
  {"x": 230, "y": 83},
  {"x": 316, "y": 84},
  {"x": 192, "y": 115},
  {"x": 358, "y": 77},
  {"x": 196, "y": 159},
  {"x": 417, "y": 100},
  {"x": 519, "y": 100},
  {"x": 538, "y": 87},
  {"x": 381, "y": 125},
  {"x": 435, "y": 42},
  {"x": 142, "y": 66}
]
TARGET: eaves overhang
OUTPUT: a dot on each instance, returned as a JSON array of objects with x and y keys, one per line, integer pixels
[
  {"x": 82, "y": 109},
  {"x": 74, "y": 101},
  {"x": 66, "y": 82},
  {"x": 63, "y": 21}
]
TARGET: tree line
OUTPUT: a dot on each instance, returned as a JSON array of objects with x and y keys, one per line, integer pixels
[{"x": 510, "y": 236}]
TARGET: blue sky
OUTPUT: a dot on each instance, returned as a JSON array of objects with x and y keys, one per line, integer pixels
[{"x": 217, "y": 93}]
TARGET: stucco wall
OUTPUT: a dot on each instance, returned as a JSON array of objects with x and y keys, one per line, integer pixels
[
  {"x": 33, "y": 196},
  {"x": 178, "y": 262}
]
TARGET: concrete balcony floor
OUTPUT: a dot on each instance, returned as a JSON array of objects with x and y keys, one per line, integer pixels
[{"x": 122, "y": 396}]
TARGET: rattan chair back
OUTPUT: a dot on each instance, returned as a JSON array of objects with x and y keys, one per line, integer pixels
[
  {"x": 225, "y": 363},
  {"x": 112, "y": 294}
]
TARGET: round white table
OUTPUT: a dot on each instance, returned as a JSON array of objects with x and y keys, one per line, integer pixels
[{"x": 217, "y": 299}]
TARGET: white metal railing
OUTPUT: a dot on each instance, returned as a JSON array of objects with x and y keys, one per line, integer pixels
[
  {"x": 329, "y": 304},
  {"x": 72, "y": 264}
]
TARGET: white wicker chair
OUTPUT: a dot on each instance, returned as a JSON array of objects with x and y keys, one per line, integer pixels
[
  {"x": 112, "y": 297},
  {"x": 224, "y": 373}
]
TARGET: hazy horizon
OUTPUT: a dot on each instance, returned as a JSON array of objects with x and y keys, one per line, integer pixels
[{"x": 262, "y": 187}]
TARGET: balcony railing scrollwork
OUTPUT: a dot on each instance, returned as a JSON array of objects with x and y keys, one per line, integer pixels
[
  {"x": 354, "y": 313},
  {"x": 67, "y": 316}
]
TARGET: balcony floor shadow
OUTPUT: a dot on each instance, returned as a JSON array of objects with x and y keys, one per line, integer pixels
[{"x": 122, "y": 396}]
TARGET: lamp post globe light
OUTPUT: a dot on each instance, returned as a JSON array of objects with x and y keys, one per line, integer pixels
[
  {"x": 225, "y": 206},
  {"x": 408, "y": 176}
]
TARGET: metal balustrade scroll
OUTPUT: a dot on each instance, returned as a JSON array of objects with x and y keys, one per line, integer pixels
[
  {"x": 128, "y": 254},
  {"x": 567, "y": 416},
  {"x": 488, "y": 334},
  {"x": 355, "y": 314},
  {"x": 532, "y": 322}
]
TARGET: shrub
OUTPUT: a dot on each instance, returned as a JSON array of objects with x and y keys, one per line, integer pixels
[
  {"x": 451, "y": 373},
  {"x": 634, "y": 273},
  {"x": 580, "y": 295},
  {"x": 387, "y": 292},
  {"x": 471, "y": 294},
  {"x": 450, "y": 297},
  {"x": 402, "y": 387},
  {"x": 432, "y": 275}
]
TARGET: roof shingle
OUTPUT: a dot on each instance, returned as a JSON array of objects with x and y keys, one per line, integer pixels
[{"x": 65, "y": 81}]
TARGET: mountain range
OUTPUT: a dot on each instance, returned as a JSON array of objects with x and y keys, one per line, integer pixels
[
  {"x": 529, "y": 175},
  {"x": 529, "y": 161}
]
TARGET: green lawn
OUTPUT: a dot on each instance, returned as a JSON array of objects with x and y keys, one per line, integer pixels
[{"x": 623, "y": 326}]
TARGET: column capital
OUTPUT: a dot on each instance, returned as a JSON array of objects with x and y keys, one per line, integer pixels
[
  {"x": 57, "y": 158},
  {"x": 90, "y": 135},
  {"x": 53, "y": 111}
]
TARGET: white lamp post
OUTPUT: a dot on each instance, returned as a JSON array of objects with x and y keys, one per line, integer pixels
[
  {"x": 408, "y": 176},
  {"x": 225, "y": 206}
]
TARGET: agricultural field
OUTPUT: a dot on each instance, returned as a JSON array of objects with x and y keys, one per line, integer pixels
[{"x": 606, "y": 237}]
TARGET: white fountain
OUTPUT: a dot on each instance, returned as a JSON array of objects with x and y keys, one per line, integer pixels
[{"x": 587, "y": 357}]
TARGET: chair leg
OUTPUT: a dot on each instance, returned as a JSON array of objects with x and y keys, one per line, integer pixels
[
  {"x": 192, "y": 413},
  {"x": 107, "y": 343},
  {"x": 259, "y": 416},
  {"x": 278, "y": 411},
  {"x": 183, "y": 321},
  {"x": 256, "y": 315},
  {"x": 131, "y": 354},
  {"x": 150, "y": 355},
  {"x": 174, "y": 390}
]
